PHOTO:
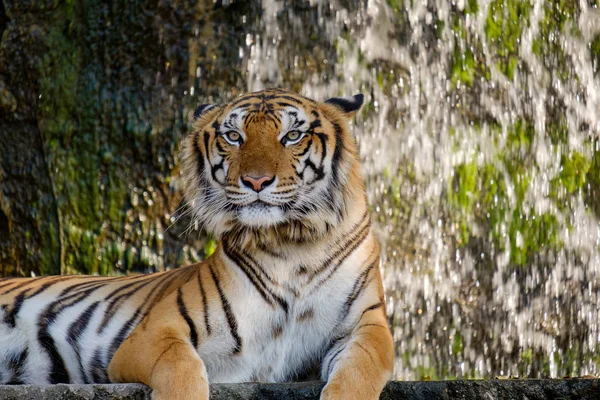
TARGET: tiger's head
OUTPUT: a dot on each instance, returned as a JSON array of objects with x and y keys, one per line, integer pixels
[{"x": 273, "y": 162}]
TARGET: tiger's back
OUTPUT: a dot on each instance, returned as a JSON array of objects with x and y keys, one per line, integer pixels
[{"x": 64, "y": 329}]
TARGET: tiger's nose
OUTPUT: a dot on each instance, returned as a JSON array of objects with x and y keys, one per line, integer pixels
[{"x": 257, "y": 184}]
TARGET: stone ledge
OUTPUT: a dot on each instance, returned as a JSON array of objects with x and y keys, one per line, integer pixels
[{"x": 550, "y": 389}]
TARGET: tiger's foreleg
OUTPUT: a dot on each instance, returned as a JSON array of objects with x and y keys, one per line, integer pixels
[
  {"x": 159, "y": 353},
  {"x": 358, "y": 367}
]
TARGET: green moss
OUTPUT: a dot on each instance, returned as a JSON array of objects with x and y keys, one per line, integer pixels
[
  {"x": 457, "y": 343},
  {"x": 595, "y": 53},
  {"x": 466, "y": 64},
  {"x": 463, "y": 67},
  {"x": 573, "y": 174},
  {"x": 503, "y": 28},
  {"x": 529, "y": 234},
  {"x": 439, "y": 28},
  {"x": 396, "y": 5},
  {"x": 471, "y": 7},
  {"x": 559, "y": 16},
  {"x": 426, "y": 373},
  {"x": 594, "y": 170},
  {"x": 479, "y": 196},
  {"x": 463, "y": 194}
]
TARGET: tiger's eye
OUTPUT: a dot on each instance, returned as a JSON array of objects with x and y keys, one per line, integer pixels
[
  {"x": 292, "y": 137},
  {"x": 233, "y": 136}
]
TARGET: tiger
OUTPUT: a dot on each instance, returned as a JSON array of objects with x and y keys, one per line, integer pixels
[{"x": 293, "y": 289}]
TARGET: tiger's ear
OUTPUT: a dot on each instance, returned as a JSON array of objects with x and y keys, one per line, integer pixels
[
  {"x": 202, "y": 109},
  {"x": 348, "y": 106}
]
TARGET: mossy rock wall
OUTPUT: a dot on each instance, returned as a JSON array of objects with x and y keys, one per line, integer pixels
[
  {"x": 94, "y": 102},
  {"x": 95, "y": 99}
]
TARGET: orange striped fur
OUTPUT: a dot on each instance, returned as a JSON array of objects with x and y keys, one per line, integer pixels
[{"x": 293, "y": 289}]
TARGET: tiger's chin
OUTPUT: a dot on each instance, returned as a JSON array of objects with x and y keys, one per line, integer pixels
[{"x": 260, "y": 215}]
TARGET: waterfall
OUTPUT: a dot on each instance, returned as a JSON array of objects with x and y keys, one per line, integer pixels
[{"x": 479, "y": 143}]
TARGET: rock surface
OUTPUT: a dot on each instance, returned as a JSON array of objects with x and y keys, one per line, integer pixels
[{"x": 564, "y": 389}]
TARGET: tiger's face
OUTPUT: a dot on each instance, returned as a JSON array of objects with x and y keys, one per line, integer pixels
[{"x": 271, "y": 160}]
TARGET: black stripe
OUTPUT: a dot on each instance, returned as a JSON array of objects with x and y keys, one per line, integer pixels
[
  {"x": 7, "y": 283},
  {"x": 162, "y": 287},
  {"x": 244, "y": 261},
  {"x": 284, "y": 104},
  {"x": 276, "y": 116},
  {"x": 78, "y": 327},
  {"x": 59, "y": 373},
  {"x": 143, "y": 310},
  {"x": 358, "y": 287},
  {"x": 332, "y": 360},
  {"x": 290, "y": 98},
  {"x": 228, "y": 313},
  {"x": 10, "y": 317},
  {"x": 222, "y": 152},
  {"x": 261, "y": 246},
  {"x": 113, "y": 307},
  {"x": 125, "y": 287},
  {"x": 273, "y": 118},
  {"x": 337, "y": 153},
  {"x": 98, "y": 369},
  {"x": 319, "y": 173},
  {"x": 314, "y": 124},
  {"x": 323, "y": 138},
  {"x": 123, "y": 332},
  {"x": 74, "y": 332},
  {"x": 258, "y": 269},
  {"x": 16, "y": 364},
  {"x": 184, "y": 313},
  {"x": 215, "y": 168},
  {"x": 368, "y": 325},
  {"x": 199, "y": 156},
  {"x": 306, "y": 150},
  {"x": 204, "y": 304},
  {"x": 86, "y": 284},
  {"x": 298, "y": 123},
  {"x": 257, "y": 266},
  {"x": 342, "y": 246},
  {"x": 206, "y": 139},
  {"x": 259, "y": 285},
  {"x": 362, "y": 235},
  {"x": 20, "y": 285},
  {"x": 49, "y": 284},
  {"x": 245, "y": 105},
  {"x": 373, "y": 307}
]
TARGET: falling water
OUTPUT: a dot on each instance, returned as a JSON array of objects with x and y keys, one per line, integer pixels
[{"x": 479, "y": 141}]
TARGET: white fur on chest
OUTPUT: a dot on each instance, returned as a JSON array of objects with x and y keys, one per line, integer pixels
[{"x": 277, "y": 346}]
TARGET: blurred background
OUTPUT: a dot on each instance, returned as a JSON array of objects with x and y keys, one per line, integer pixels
[{"x": 479, "y": 141}]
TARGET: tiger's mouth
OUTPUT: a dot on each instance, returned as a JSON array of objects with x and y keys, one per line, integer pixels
[{"x": 260, "y": 214}]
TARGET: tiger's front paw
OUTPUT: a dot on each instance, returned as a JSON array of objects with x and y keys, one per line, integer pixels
[
  {"x": 348, "y": 391},
  {"x": 181, "y": 392}
]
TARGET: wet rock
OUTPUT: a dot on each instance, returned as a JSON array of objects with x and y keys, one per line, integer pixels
[
  {"x": 566, "y": 389},
  {"x": 8, "y": 103}
]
